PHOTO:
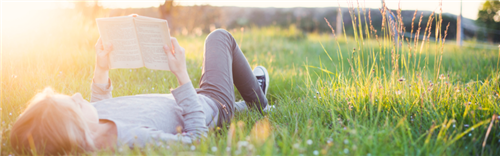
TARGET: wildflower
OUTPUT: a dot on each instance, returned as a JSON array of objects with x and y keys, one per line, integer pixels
[
  {"x": 314, "y": 97},
  {"x": 398, "y": 92},
  {"x": 442, "y": 77},
  {"x": 401, "y": 79},
  {"x": 228, "y": 148},
  {"x": 60, "y": 72},
  {"x": 346, "y": 141},
  {"x": 214, "y": 149},
  {"x": 164, "y": 79},
  {"x": 317, "y": 92},
  {"x": 320, "y": 97},
  {"x": 470, "y": 134},
  {"x": 153, "y": 88},
  {"x": 368, "y": 154},
  {"x": 149, "y": 79},
  {"x": 466, "y": 125},
  {"x": 296, "y": 145},
  {"x": 309, "y": 142},
  {"x": 315, "y": 152},
  {"x": 242, "y": 143},
  {"x": 454, "y": 126},
  {"x": 472, "y": 129},
  {"x": 330, "y": 140},
  {"x": 346, "y": 150},
  {"x": 130, "y": 70},
  {"x": 10, "y": 113}
]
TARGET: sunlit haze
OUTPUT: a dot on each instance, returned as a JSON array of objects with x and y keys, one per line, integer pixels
[{"x": 469, "y": 9}]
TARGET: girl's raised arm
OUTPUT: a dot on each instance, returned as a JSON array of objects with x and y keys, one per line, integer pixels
[{"x": 101, "y": 84}]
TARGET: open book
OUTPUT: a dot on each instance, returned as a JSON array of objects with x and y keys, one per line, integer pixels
[{"x": 137, "y": 41}]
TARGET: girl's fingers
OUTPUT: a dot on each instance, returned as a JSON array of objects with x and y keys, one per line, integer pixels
[
  {"x": 176, "y": 45},
  {"x": 168, "y": 51},
  {"x": 98, "y": 45},
  {"x": 108, "y": 48}
]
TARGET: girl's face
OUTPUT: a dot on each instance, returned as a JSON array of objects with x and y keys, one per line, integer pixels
[{"x": 88, "y": 110}]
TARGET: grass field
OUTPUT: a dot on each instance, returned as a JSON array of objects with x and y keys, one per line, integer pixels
[{"x": 334, "y": 95}]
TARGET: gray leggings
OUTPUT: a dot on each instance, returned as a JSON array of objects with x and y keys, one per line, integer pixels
[{"x": 224, "y": 65}]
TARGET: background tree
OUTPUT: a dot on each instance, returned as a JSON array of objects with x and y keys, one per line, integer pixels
[
  {"x": 489, "y": 17},
  {"x": 166, "y": 11}
]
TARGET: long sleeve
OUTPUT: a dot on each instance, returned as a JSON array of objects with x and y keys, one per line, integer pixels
[
  {"x": 101, "y": 91},
  {"x": 192, "y": 115},
  {"x": 192, "y": 111},
  {"x": 145, "y": 135}
]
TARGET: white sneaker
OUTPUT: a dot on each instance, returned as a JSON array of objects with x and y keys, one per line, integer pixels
[{"x": 262, "y": 77}]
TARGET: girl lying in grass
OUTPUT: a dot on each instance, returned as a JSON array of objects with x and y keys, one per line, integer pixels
[{"x": 59, "y": 124}]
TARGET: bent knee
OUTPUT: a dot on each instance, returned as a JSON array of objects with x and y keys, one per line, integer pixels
[{"x": 219, "y": 33}]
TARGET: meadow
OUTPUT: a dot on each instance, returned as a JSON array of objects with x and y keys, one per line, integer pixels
[{"x": 354, "y": 94}]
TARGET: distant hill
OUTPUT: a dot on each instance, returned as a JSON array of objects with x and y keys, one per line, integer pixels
[{"x": 198, "y": 19}]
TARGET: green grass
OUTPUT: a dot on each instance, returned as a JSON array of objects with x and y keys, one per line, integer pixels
[{"x": 333, "y": 95}]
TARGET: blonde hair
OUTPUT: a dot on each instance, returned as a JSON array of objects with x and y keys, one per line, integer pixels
[{"x": 49, "y": 127}]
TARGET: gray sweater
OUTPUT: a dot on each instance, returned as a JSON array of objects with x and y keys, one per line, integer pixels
[{"x": 154, "y": 118}]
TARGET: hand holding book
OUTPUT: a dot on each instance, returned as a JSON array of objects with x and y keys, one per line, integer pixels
[
  {"x": 177, "y": 61},
  {"x": 102, "y": 61},
  {"x": 102, "y": 55}
]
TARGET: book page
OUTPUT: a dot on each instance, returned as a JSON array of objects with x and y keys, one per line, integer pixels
[
  {"x": 120, "y": 31},
  {"x": 152, "y": 35}
]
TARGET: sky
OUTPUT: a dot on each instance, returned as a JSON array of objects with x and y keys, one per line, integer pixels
[{"x": 469, "y": 7}]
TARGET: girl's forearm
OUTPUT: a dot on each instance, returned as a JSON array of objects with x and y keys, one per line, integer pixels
[
  {"x": 183, "y": 78},
  {"x": 101, "y": 76}
]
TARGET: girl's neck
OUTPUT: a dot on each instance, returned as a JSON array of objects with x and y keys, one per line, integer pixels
[{"x": 104, "y": 134}]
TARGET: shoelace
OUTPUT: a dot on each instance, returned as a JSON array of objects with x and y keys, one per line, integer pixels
[{"x": 261, "y": 80}]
